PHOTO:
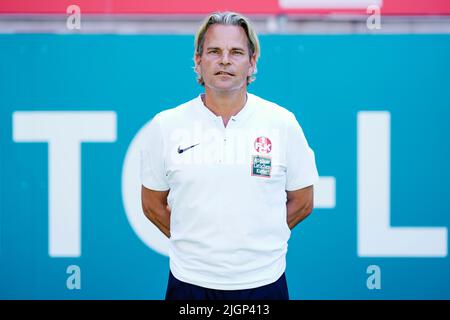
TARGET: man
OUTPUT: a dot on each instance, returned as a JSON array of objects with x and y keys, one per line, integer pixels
[{"x": 226, "y": 175}]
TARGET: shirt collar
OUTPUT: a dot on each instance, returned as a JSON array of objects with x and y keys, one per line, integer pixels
[{"x": 239, "y": 117}]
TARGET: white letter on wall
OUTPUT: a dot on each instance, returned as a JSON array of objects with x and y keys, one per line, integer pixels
[
  {"x": 376, "y": 237},
  {"x": 64, "y": 132}
]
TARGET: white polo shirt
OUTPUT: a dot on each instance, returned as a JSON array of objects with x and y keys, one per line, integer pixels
[{"x": 227, "y": 189}]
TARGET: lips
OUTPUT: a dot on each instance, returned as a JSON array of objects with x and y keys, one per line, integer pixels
[{"x": 222, "y": 73}]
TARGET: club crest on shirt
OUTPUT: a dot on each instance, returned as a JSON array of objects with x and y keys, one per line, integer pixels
[
  {"x": 261, "y": 166},
  {"x": 263, "y": 145}
]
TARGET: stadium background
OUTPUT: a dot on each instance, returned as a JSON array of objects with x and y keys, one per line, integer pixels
[{"x": 363, "y": 96}]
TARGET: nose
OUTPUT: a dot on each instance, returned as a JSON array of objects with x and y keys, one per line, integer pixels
[{"x": 224, "y": 59}]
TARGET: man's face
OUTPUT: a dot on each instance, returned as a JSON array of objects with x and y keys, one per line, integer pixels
[{"x": 225, "y": 63}]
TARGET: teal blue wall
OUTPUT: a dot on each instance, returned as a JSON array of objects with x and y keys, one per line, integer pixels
[{"x": 324, "y": 80}]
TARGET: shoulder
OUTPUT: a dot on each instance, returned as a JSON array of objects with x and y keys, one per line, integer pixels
[
  {"x": 272, "y": 109},
  {"x": 173, "y": 116}
]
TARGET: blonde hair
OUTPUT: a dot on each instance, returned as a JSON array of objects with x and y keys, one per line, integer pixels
[{"x": 233, "y": 19}]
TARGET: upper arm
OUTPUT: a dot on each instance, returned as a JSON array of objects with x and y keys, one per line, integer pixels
[
  {"x": 153, "y": 171},
  {"x": 301, "y": 169}
]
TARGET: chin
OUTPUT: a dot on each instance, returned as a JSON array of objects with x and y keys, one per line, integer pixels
[{"x": 224, "y": 86}]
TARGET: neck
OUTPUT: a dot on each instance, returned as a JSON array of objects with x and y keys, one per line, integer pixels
[{"x": 225, "y": 104}]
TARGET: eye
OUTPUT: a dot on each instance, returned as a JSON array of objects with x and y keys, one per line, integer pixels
[
  {"x": 238, "y": 52},
  {"x": 214, "y": 51}
]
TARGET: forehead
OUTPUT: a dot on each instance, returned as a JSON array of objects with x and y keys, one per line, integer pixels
[{"x": 219, "y": 35}]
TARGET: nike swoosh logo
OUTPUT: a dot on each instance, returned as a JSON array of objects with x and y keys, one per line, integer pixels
[{"x": 183, "y": 150}]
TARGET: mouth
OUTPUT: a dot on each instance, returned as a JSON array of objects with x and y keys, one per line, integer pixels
[{"x": 223, "y": 73}]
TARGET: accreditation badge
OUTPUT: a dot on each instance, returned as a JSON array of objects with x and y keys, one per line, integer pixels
[{"x": 261, "y": 166}]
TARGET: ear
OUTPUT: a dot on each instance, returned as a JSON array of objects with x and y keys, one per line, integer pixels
[
  {"x": 252, "y": 68},
  {"x": 197, "y": 60}
]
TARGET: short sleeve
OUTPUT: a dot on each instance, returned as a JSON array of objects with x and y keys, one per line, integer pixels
[
  {"x": 301, "y": 170},
  {"x": 153, "y": 173}
]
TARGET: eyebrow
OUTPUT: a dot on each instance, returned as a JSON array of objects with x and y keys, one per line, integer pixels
[{"x": 217, "y": 48}]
